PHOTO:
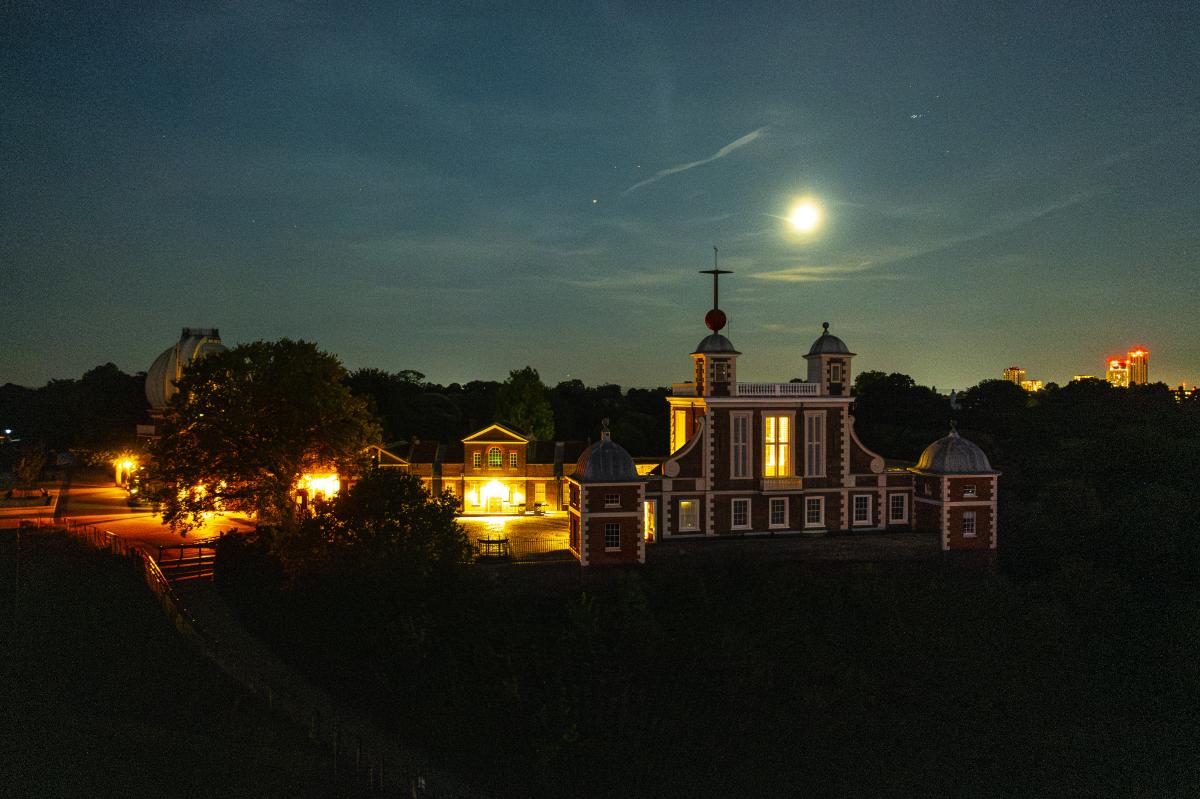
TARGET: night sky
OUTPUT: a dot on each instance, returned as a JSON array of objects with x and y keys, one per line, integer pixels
[{"x": 467, "y": 190}]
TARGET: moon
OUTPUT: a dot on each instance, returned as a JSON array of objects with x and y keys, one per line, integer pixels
[{"x": 805, "y": 217}]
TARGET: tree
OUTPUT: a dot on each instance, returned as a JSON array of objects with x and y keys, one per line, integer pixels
[
  {"x": 386, "y": 524},
  {"x": 247, "y": 423},
  {"x": 523, "y": 401}
]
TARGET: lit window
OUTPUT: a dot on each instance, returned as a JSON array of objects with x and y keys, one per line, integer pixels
[
  {"x": 969, "y": 490},
  {"x": 612, "y": 535},
  {"x": 679, "y": 430},
  {"x": 969, "y": 524},
  {"x": 477, "y": 459},
  {"x": 688, "y": 517},
  {"x": 741, "y": 445},
  {"x": 741, "y": 513},
  {"x": 814, "y": 443},
  {"x": 778, "y": 512},
  {"x": 814, "y": 511},
  {"x": 777, "y": 438},
  {"x": 539, "y": 493},
  {"x": 897, "y": 507},
  {"x": 495, "y": 458},
  {"x": 512, "y": 460},
  {"x": 612, "y": 500},
  {"x": 862, "y": 509}
]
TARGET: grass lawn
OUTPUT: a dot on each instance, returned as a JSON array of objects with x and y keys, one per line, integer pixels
[{"x": 101, "y": 697}]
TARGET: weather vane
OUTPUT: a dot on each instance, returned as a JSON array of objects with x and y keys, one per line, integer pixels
[{"x": 715, "y": 319}]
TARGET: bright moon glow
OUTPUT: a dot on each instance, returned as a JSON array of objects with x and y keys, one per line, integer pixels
[{"x": 805, "y": 217}]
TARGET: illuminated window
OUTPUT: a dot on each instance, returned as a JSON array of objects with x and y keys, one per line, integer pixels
[
  {"x": 778, "y": 512},
  {"x": 814, "y": 512},
  {"x": 539, "y": 493},
  {"x": 862, "y": 509},
  {"x": 835, "y": 373},
  {"x": 612, "y": 500},
  {"x": 741, "y": 445},
  {"x": 898, "y": 508},
  {"x": 741, "y": 513},
  {"x": 777, "y": 439},
  {"x": 612, "y": 535},
  {"x": 476, "y": 459},
  {"x": 679, "y": 431},
  {"x": 688, "y": 517},
  {"x": 969, "y": 490},
  {"x": 512, "y": 460},
  {"x": 969, "y": 524},
  {"x": 814, "y": 443},
  {"x": 495, "y": 458}
]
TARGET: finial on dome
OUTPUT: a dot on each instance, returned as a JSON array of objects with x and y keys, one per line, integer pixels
[
  {"x": 824, "y": 328},
  {"x": 604, "y": 434},
  {"x": 954, "y": 428}
]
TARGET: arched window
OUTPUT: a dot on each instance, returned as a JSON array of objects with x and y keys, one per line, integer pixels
[{"x": 494, "y": 459}]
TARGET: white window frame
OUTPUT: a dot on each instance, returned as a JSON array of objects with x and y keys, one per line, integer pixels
[
  {"x": 970, "y": 490},
  {"x": 782, "y": 502},
  {"x": 612, "y": 500},
  {"x": 814, "y": 446},
  {"x": 740, "y": 452},
  {"x": 512, "y": 460},
  {"x": 733, "y": 505},
  {"x": 969, "y": 516},
  {"x": 609, "y": 528},
  {"x": 477, "y": 459},
  {"x": 903, "y": 516},
  {"x": 854, "y": 519},
  {"x": 499, "y": 460},
  {"x": 787, "y": 447},
  {"x": 695, "y": 525},
  {"x": 821, "y": 508}
]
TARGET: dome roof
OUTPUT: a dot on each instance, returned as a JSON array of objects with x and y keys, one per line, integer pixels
[
  {"x": 606, "y": 461},
  {"x": 827, "y": 344},
  {"x": 160, "y": 379},
  {"x": 953, "y": 454},
  {"x": 715, "y": 344}
]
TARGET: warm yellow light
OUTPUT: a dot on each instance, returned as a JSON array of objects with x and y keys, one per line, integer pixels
[
  {"x": 126, "y": 465},
  {"x": 805, "y": 217},
  {"x": 325, "y": 485},
  {"x": 494, "y": 488}
]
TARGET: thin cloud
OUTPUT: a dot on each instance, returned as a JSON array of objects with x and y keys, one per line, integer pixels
[{"x": 724, "y": 151}]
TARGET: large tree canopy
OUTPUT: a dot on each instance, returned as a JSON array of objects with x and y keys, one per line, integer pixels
[
  {"x": 248, "y": 422},
  {"x": 523, "y": 401}
]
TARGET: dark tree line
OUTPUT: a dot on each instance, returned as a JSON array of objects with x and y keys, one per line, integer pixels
[
  {"x": 408, "y": 407},
  {"x": 1090, "y": 472},
  {"x": 99, "y": 411}
]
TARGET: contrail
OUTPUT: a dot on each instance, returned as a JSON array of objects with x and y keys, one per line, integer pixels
[{"x": 724, "y": 151}]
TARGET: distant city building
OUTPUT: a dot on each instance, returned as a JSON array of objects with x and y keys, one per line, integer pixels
[
  {"x": 1014, "y": 374},
  {"x": 1183, "y": 393},
  {"x": 1139, "y": 366},
  {"x": 1117, "y": 373},
  {"x": 1032, "y": 385},
  {"x": 1077, "y": 378}
]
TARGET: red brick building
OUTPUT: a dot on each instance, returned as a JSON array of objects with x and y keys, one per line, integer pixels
[
  {"x": 497, "y": 470},
  {"x": 606, "y": 506}
]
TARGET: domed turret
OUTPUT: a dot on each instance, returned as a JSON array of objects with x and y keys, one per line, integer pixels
[
  {"x": 828, "y": 344},
  {"x": 606, "y": 461},
  {"x": 829, "y": 363},
  {"x": 953, "y": 454},
  {"x": 715, "y": 344},
  {"x": 168, "y": 367}
]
